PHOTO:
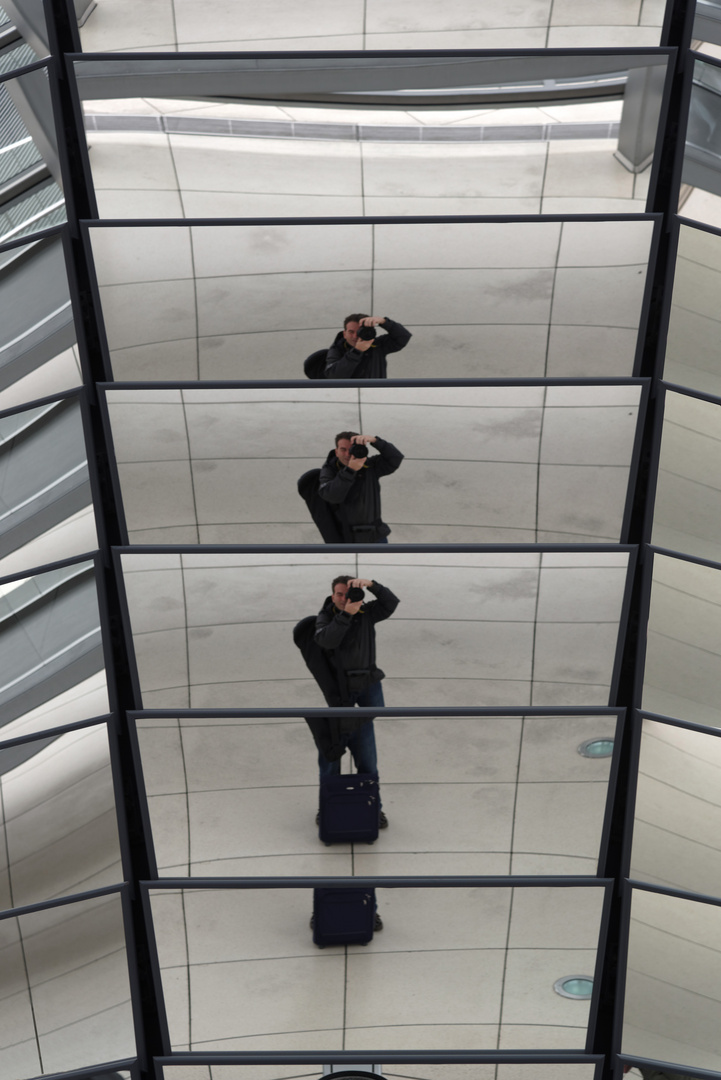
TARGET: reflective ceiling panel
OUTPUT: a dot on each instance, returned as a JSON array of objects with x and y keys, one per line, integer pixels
[
  {"x": 51, "y": 657},
  {"x": 693, "y": 346},
  {"x": 464, "y": 795},
  {"x": 59, "y": 820},
  {"x": 678, "y": 809},
  {"x": 38, "y": 350},
  {"x": 365, "y": 136},
  {"x": 65, "y": 990},
  {"x": 253, "y": 301},
  {"x": 673, "y": 1005},
  {"x": 682, "y": 675},
  {"x": 482, "y": 963},
  {"x": 687, "y": 513},
  {"x": 479, "y": 1071},
  {"x": 374, "y": 24},
  {"x": 45, "y": 501},
  {"x": 480, "y": 465},
  {"x": 215, "y": 631}
]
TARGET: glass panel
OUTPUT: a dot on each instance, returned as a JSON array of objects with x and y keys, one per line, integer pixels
[
  {"x": 463, "y": 795},
  {"x": 38, "y": 351},
  {"x": 686, "y": 515},
  {"x": 376, "y": 24},
  {"x": 216, "y": 631},
  {"x": 673, "y": 1008},
  {"x": 516, "y": 465},
  {"x": 30, "y": 198},
  {"x": 253, "y": 301},
  {"x": 692, "y": 346},
  {"x": 678, "y": 809},
  {"x": 45, "y": 496},
  {"x": 51, "y": 667},
  {"x": 64, "y": 985},
  {"x": 707, "y": 24},
  {"x": 681, "y": 676},
  {"x": 59, "y": 820},
  {"x": 347, "y": 137},
  {"x": 481, "y": 964},
  {"x": 701, "y": 176}
]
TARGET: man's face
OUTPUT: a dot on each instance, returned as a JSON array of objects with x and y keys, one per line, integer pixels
[
  {"x": 342, "y": 451},
  {"x": 350, "y": 333},
  {"x": 340, "y": 594}
]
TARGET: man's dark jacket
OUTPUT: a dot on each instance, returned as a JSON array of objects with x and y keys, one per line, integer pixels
[
  {"x": 351, "y": 639},
  {"x": 356, "y": 496},
  {"x": 346, "y": 362}
]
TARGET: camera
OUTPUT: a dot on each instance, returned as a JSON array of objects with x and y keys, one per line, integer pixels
[
  {"x": 366, "y": 333},
  {"x": 358, "y": 450},
  {"x": 354, "y": 594}
]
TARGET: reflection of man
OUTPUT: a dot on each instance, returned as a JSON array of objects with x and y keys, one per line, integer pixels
[
  {"x": 350, "y": 482},
  {"x": 357, "y": 353},
  {"x": 347, "y": 673}
]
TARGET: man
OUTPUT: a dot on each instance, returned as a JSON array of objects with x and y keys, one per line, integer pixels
[
  {"x": 342, "y": 659},
  {"x": 350, "y": 482},
  {"x": 357, "y": 353}
]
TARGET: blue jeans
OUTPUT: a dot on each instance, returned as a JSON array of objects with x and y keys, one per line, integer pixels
[{"x": 362, "y": 743}]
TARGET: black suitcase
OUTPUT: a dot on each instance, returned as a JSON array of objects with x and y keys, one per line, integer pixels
[
  {"x": 343, "y": 916},
  {"x": 349, "y": 809}
]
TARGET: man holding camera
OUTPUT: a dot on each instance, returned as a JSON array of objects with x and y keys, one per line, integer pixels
[
  {"x": 345, "y": 632},
  {"x": 350, "y": 482},
  {"x": 357, "y": 353}
]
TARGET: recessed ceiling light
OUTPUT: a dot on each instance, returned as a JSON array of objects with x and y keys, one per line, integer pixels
[
  {"x": 596, "y": 748},
  {"x": 579, "y": 987}
]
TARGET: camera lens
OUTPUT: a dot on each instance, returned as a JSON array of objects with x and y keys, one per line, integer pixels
[
  {"x": 354, "y": 594},
  {"x": 367, "y": 333},
  {"x": 359, "y": 450}
]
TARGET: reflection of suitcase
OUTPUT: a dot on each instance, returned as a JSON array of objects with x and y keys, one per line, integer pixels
[
  {"x": 349, "y": 809},
  {"x": 343, "y": 916}
]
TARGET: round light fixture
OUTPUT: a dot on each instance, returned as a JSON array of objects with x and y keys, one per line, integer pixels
[
  {"x": 596, "y": 748},
  {"x": 579, "y": 987}
]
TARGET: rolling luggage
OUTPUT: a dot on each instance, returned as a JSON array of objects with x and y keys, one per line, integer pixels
[
  {"x": 349, "y": 809},
  {"x": 343, "y": 916}
]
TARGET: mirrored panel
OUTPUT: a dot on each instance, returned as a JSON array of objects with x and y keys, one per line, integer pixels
[
  {"x": 445, "y": 1071},
  {"x": 482, "y": 963},
  {"x": 682, "y": 674},
  {"x": 375, "y": 24},
  {"x": 700, "y": 196},
  {"x": 16, "y": 43},
  {"x": 481, "y": 629},
  {"x": 64, "y": 988},
  {"x": 30, "y": 196},
  {"x": 447, "y": 465},
  {"x": 59, "y": 822},
  {"x": 707, "y": 25},
  {"x": 678, "y": 809},
  {"x": 357, "y": 136},
  {"x": 673, "y": 1006},
  {"x": 38, "y": 343},
  {"x": 462, "y": 795},
  {"x": 45, "y": 500},
  {"x": 481, "y": 299},
  {"x": 687, "y": 514},
  {"x": 51, "y": 656},
  {"x": 693, "y": 353}
]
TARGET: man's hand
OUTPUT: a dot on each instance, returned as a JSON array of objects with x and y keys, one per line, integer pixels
[
  {"x": 360, "y": 583},
  {"x": 372, "y": 320},
  {"x": 363, "y": 439},
  {"x": 363, "y": 346},
  {"x": 353, "y": 609},
  {"x": 355, "y": 464}
]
